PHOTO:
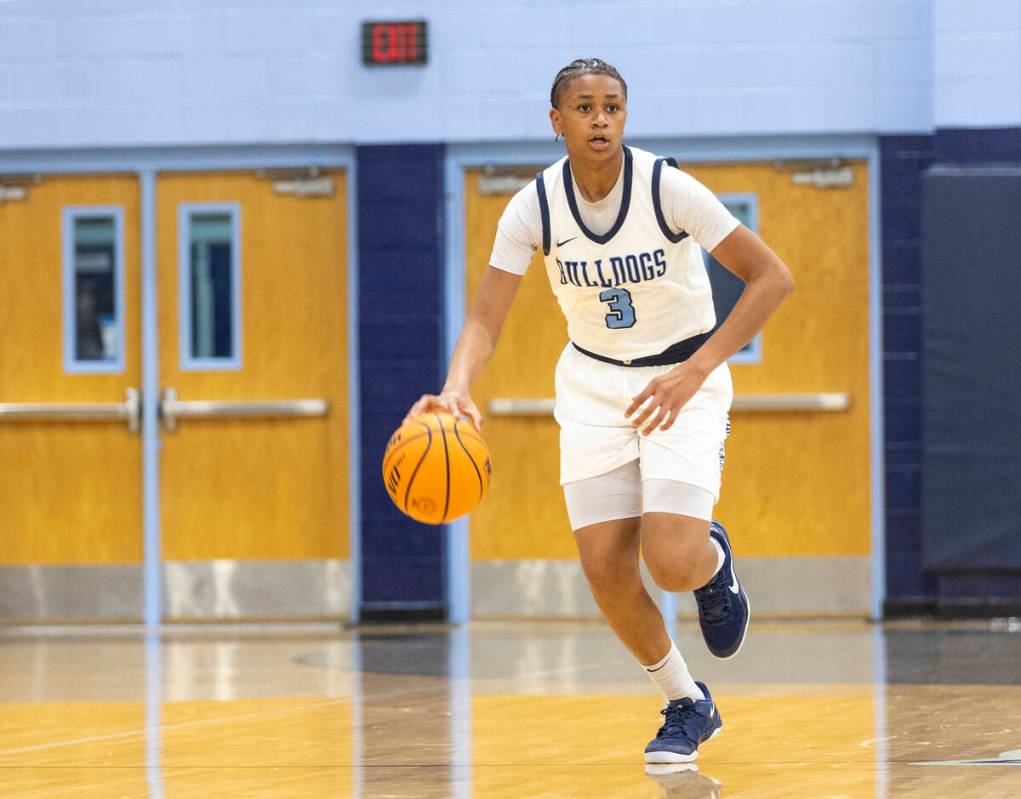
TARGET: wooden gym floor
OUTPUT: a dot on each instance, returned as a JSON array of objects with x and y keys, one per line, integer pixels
[{"x": 503, "y": 709}]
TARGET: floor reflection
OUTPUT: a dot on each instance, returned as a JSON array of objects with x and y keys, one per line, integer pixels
[
  {"x": 683, "y": 781},
  {"x": 503, "y": 710}
]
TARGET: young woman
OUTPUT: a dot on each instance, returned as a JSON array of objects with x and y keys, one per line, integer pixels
[{"x": 643, "y": 390}]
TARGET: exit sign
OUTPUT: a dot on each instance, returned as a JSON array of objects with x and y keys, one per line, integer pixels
[{"x": 388, "y": 43}]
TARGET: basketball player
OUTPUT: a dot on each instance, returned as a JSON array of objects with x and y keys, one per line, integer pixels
[{"x": 642, "y": 389}]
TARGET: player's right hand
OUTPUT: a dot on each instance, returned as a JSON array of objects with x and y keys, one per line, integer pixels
[{"x": 456, "y": 403}]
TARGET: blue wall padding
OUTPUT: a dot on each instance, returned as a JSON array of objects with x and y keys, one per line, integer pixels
[{"x": 971, "y": 382}]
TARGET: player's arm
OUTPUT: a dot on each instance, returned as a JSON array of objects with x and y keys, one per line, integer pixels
[
  {"x": 474, "y": 346},
  {"x": 767, "y": 281}
]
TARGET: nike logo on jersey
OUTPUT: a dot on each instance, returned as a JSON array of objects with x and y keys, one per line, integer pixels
[
  {"x": 566, "y": 241},
  {"x": 733, "y": 586}
]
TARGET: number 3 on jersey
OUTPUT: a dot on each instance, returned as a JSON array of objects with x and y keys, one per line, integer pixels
[{"x": 622, "y": 312}]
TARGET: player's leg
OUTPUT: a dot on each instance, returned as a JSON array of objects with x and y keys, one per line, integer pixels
[
  {"x": 604, "y": 513},
  {"x": 681, "y": 483},
  {"x": 597, "y": 446},
  {"x": 680, "y": 556},
  {"x": 681, "y": 470},
  {"x": 609, "y": 557},
  {"x": 686, "y": 551}
]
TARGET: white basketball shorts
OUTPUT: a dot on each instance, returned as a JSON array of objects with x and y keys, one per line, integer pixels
[{"x": 596, "y": 438}]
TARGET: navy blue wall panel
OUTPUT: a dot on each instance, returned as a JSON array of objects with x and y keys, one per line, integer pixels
[
  {"x": 400, "y": 252},
  {"x": 903, "y": 158},
  {"x": 971, "y": 388},
  {"x": 903, "y": 162},
  {"x": 973, "y": 146}
]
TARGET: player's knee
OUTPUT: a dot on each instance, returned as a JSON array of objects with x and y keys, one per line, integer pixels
[{"x": 673, "y": 573}]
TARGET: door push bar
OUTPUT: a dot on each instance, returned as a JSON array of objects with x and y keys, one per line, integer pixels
[
  {"x": 172, "y": 409},
  {"x": 128, "y": 411},
  {"x": 751, "y": 403}
]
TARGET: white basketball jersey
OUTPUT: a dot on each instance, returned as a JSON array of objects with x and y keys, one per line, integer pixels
[{"x": 638, "y": 288}]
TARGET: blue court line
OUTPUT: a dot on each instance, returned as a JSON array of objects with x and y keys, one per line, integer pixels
[
  {"x": 357, "y": 716},
  {"x": 154, "y": 714},
  {"x": 881, "y": 745},
  {"x": 459, "y": 680}
]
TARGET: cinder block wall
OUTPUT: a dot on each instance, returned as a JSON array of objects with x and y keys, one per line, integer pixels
[{"x": 132, "y": 73}]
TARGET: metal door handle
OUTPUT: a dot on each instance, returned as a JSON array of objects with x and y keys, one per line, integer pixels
[
  {"x": 172, "y": 409},
  {"x": 128, "y": 411},
  {"x": 754, "y": 403},
  {"x": 770, "y": 403}
]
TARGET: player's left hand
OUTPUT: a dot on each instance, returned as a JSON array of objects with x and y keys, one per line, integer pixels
[{"x": 659, "y": 402}]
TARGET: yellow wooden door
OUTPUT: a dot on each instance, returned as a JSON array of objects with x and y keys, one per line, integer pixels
[
  {"x": 525, "y": 449},
  {"x": 795, "y": 484},
  {"x": 799, "y": 483},
  {"x": 70, "y": 492},
  {"x": 256, "y": 488}
]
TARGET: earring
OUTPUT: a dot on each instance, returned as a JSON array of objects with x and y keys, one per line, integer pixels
[{"x": 558, "y": 137}]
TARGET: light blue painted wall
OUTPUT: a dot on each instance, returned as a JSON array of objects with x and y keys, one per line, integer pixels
[
  {"x": 977, "y": 63},
  {"x": 116, "y": 72}
]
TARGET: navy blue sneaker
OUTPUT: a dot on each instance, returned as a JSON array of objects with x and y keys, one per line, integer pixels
[
  {"x": 687, "y": 723},
  {"x": 723, "y": 609}
]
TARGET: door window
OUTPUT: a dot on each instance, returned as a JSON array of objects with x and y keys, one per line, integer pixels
[
  {"x": 93, "y": 277},
  {"x": 210, "y": 275},
  {"x": 727, "y": 287}
]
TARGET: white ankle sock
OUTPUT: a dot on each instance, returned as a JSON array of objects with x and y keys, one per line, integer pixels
[
  {"x": 720, "y": 556},
  {"x": 672, "y": 676}
]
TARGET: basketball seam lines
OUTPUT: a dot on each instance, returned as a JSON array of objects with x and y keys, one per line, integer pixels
[
  {"x": 388, "y": 456},
  {"x": 411, "y": 482},
  {"x": 446, "y": 458},
  {"x": 470, "y": 459}
]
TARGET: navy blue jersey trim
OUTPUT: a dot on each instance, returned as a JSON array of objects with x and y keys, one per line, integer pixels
[
  {"x": 657, "y": 170},
  {"x": 625, "y": 200},
  {"x": 540, "y": 186}
]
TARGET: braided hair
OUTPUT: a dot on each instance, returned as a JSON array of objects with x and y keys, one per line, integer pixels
[{"x": 583, "y": 66}]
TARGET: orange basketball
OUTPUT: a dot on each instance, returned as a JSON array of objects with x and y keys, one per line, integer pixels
[{"x": 436, "y": 468}]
